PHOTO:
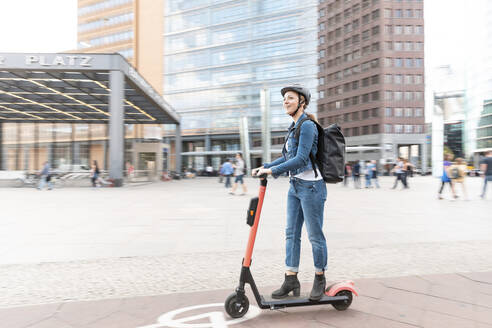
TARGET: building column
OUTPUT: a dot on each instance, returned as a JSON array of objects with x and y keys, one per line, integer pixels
[
  {"x": 51, "y": 146},
  {"x": 178, "y": 146},
  {"x": 116, "y": 127},
  {"x": 18, "y": 150},
  {"x": 208, "y": 147}
]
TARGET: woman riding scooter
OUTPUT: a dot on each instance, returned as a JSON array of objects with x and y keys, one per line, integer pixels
[{"x": 306, "y": 197}]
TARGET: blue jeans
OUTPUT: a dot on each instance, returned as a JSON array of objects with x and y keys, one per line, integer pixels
[
  {"x": 368, "y": 181},
  {"x": 43, "y": 181},
  {"x": 485, "y": 179},
  {"x": 305, "y": 203}
]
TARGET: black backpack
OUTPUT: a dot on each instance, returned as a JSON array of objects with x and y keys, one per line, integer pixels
[{"x": 330, "y": 157}]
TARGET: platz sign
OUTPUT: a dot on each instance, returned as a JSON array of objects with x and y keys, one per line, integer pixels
[{"x": 59, "y": 60}]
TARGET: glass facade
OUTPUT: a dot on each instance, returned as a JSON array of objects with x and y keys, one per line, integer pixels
[
  {"x": 220, "y": 54},
  {"x": 484, "y": 130}
]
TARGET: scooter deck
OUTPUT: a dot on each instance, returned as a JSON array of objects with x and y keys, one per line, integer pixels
[{"x": 291, "y": 301}]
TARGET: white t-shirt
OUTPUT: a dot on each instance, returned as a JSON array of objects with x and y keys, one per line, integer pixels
[{"x": 239, "y": 168}]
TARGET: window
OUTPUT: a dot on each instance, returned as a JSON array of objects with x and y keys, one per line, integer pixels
[
  {"x": 388, "y": 45},
  {"x": 375, "y": 79},
  {"x": 398, "y": 62},
  {"x": 408, "y": 112},
  {"x": 321, "y": 13},
  {"x": 398, "y": 128},
  {"x": 408, "y": 62},
  {"x": 365, "y": 19},
  {"x": 388, "y": 62},
  {"x": 346, "y": 102},
  {"x": 346, "y": 132},
  {"x": 365, "y": 82},
  {"x": 398, "y": 29},
  {"x": 321, "y": 54},
  {"x": 355, "y": 116},
  {"x": 355, "y": 39},
  {"x": 346, "y": 117},
  {"x": 388, "y": 78},
  {"x": 408, "y": 96},
  {"x": 419, "y": 129},
  {"x": 355, "y": 100},
  {"x": 346, "y": 87},
  {"x": 375, "y": 14},
  {"x": 338, "y": 32},
  {"x": 398, "y": 46},
  {"x": 355, "y": 9},
  {"x": 321, "y": 80},
  {"x": 398, "y": 79},
  {"x": 419, "y": 29},
  {"x": 408, "y": 128},
  {"x": 387, "y": 13},
  {"x": 398, "y": 13},
  {"x": 355, "y": 24},
  {"x": 398, "y": 112},
  {"x": 375, "y": 96},
  {"x": 418, "y": 79},
  {"x": 321, "y": 40},
  {"x": 418, "y": 62},
  {"x": 375, "y": 112},
  {"x": 388, "y": 128},
  {"x": 419, "y": 46},
  {"x": 355, "y": 85},
  {"x": 408, "y": 29},
  {"x": 346, "y": 13},
  {"x": 418, "y": 13},
  {"x": 375, "y": 47},
  {"x": 347, "y": 28},
  {"x": 388, "y": 29},
  {"x": 365, "y": 130},
  {"x": 388, "y": 95},
  {"x": 321, "y": 27},
  {"x": 321, "y": 94},
  {"x": 365, "y": 35},
  {"x": 365, "y": 98},
  {"x": 408, "y": 46},
  {"x": 419, "y": 112},
  {"x": 375, "y": 128},
  {"x": 355, "y": 131},
  {"x": 418, "y": 95},
  {"x": 398, "y": 95},
  {"x": 375, "y": 30}
]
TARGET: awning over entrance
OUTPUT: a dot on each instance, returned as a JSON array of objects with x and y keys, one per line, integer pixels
[
  {"x": 75, "y": 88},
  {"x": 82, "y": 88}
]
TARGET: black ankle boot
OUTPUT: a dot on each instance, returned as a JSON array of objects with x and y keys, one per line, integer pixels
[
  {"x": 291, "y": 283},
  {"x": 319, "y": 285}
]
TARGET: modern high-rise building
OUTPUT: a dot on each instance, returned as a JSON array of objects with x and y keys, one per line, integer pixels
[
  {"x": 371, "y": 75},
  {"x": 219, "y": 55}
]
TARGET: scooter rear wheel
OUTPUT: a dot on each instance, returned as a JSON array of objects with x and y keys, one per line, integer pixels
[
  {"x": 236, "y": 308},
  {"x": 343, "y": 305}
]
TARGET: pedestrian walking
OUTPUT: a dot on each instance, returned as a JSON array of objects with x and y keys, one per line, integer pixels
[
  {"x": 445, "y": 176},
  {"x": 227, "y": 171},
  {"x": 347, "y": 174},
  {"x": 398, "y": 170},
  {"x": 368, "y": 174},
  {"x": 95, "y": 172},
  {"x": 45, "y": 177},
  {"x": 458, "y": 173},
  {"x": 356, "y": 175},
  {"x": 374, "y": 175},
  {"x": 486, "y": 168},
  {"x": 306, "y": 197},
  {"x": 407, "y": 172},
  {"x": 239, "y": 174}
]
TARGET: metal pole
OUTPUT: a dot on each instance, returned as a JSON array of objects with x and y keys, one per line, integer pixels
[
  {"x": 244, "y": 134},
  {"x": 1, "y": 145},
  {"x": 437, "y": 141},
  {"x": 116, "y": 127},
  {"x": 265, "y": 125}
]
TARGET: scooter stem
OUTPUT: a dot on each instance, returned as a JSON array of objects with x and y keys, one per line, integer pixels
[{"x": 254, "y": 228}]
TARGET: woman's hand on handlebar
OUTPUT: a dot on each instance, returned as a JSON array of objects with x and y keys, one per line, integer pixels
[{"x": 261, "y": 170}]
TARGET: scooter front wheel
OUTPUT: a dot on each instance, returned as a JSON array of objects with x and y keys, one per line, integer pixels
[
  {"x": 236, "y": 307},
  {"x": 343, "y": 305}
]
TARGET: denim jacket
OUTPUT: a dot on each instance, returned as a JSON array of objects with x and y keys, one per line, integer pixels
[{"x": 296, "y": 159}]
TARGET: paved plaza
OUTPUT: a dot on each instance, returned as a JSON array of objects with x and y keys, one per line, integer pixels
[{"x": 180, "y": 243}]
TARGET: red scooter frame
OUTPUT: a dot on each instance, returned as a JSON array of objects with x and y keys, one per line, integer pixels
[{"x": 237, "y": 304}]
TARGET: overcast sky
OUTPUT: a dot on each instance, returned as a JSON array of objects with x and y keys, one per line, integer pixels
[{"x": 51, "y": 26}]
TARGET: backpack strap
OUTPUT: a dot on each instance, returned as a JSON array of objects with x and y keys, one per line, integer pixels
[{"x": 297, "y": 134}]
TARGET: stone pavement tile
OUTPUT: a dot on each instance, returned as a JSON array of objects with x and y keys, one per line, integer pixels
[
  {"x": 462, "y": 280},
  {"x": 391, "y": 311},
  {"x": 370, "y": 288},
  {"x": 84, "y": 313},
  {"x": 433, "y": 319},
  {"x": 484, "y": 277},
  {"x": 353, "y": 318},
  {"x": 117, "y": 320},
  {"x": 413, "y": 283},
  {"x": 15, "y": 317},
  {"x": 302, "y": 317},
  {"x": 51, "y": 323}
]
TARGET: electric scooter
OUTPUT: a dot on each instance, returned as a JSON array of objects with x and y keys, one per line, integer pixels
[{"x": 237, "y": 304}]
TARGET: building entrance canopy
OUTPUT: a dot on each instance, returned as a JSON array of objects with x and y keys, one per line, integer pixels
[
  {"x": 81, "y": 88},
  {"x": 75, "y": 88}
]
